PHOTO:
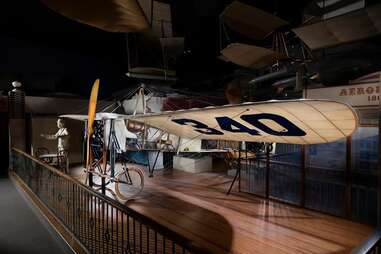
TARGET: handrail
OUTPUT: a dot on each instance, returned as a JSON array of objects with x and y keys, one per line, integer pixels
[
  {"x": 285, "y": 163},
  {"x": 189, "y": 245},
  {"x": 372, "y": 245},
  {"x": 322, "y": 169}
]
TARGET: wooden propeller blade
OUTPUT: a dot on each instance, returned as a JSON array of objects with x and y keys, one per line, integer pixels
[{"x": 91, "y": 117}]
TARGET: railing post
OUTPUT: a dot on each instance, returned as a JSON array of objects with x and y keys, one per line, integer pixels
[
  {"x": 302, "y": 175},
  {"x": 379, "y": 169},
  {"x": 267, "y": 171},
  {"x": 239, "y": 166},
  {"x": 348, "y": 178}
]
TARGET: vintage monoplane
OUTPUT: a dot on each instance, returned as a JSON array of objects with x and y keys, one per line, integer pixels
[{"x": 289, "y": 121}]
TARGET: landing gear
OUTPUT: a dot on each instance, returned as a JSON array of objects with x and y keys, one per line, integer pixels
[{"x": 129, "y": 183}]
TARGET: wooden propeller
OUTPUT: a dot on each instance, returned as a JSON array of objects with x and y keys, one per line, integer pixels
[{"x": 91, "y": 117}]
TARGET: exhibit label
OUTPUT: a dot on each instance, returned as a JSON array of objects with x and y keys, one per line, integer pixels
[{"x": 355, "y": 95}]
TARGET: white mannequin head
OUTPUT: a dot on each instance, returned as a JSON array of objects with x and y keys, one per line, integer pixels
[
  {"x": 16, "y": 84},
  {"x": 60, "y": 123}
]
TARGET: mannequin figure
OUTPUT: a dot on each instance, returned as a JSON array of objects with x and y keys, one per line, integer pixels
[{"x": 62, "y": 136}]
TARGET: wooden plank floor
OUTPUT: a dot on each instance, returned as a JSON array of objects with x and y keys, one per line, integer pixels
[{"x": 195, "y": 206}]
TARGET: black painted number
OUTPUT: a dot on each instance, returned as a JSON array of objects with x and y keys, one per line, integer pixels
[
  {"x": 230, "y": 125},
  {"x": 198, "y": 126}
]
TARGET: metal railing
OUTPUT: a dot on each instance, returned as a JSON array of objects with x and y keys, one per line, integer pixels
[
  {"x": 314, "y": 187},
  {"x": 371, "y": 246},
  {"x": 100, "y": 223}
]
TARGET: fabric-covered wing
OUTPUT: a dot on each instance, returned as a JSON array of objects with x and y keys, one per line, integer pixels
[
  {"x": 250, "y": 56},
  {"x": 98, "y": 116},
  {"x": 75, "y": 117},
  {"x": 346, "y": 28},
  {"x": 111, "y": 15},
  {"x": 250, "y": 21},
  {"x": 295, "y": 122}
]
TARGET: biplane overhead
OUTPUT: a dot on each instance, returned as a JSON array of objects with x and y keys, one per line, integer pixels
[{"x": 112, "y": 16}]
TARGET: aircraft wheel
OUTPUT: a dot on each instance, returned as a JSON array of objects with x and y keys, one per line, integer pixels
[
  {"x": 129, "y": 183},
  {"x": 97, "y": 179}
]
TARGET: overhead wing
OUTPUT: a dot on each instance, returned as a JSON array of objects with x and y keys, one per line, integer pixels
[
  {"x": 250, "y": 56},
  {"x": 250, "y": 21},
  {"x": 98, "y": 116},
  {"x": 75, "y": 117},
  {"x": 294, "y": 121},
  {"x": 354, "y": 26},
  {"x": 111, "y": 15},
  {"x": 121, "y": 131}
]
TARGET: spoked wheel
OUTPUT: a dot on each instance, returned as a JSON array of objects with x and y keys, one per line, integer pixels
[
  {"x": 97, "y": 179},
  {"x": 129, "y": 183}
]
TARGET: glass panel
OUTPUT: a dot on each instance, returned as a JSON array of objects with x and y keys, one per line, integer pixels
[
  {"x": 325, "y": 177},
  {"x": 285, "y": 173},
  {"x": 253, "y": 176},
  {"x": 364, "y": 176}
]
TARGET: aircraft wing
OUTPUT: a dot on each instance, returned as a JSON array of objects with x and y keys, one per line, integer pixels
[
  {"x": 293, "y": 121},
  {"x": 98, "y": 116},
  {"x": 121, "y": 16}
]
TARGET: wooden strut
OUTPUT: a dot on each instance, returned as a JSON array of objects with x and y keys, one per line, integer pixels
[
  {"x": 151, "y": 170},
  {"x": 88, "y": 166},
  {"x": 90, "y": 170},
  {"x": 267, "y": 193},
  {"x": 238, "y": 172},
  {"x": 348, "y": 178},
  {"x": 103, "y": 175},
  {"x": 302, "y": 176},
  {"x": 104, "y": 161},
  {"x": 379, "y": 168}
]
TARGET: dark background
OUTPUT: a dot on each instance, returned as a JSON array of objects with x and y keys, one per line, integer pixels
[{"x": 51, "y": 54}]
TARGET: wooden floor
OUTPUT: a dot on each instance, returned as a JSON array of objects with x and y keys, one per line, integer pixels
[{"x": 195, "y": 206}]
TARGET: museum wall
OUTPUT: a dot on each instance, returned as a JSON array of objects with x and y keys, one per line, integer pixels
[
  {"x": 17, "y": 133},
  {"x": 59, "y": 106},
  {"x": 4, "y": 152}
]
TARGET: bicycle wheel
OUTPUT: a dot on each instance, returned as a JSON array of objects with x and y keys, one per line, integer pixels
[
  {"x": 129, "y": 183},
  {"x": 97, "y": 179}
]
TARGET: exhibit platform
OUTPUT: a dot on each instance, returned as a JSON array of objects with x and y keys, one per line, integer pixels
[{"x": 196, "y": 206}]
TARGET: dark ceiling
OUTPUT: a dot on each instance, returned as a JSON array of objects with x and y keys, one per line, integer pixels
[
  {"x": 52, "y": 54},
  {"x": 49, "y": 52}
]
